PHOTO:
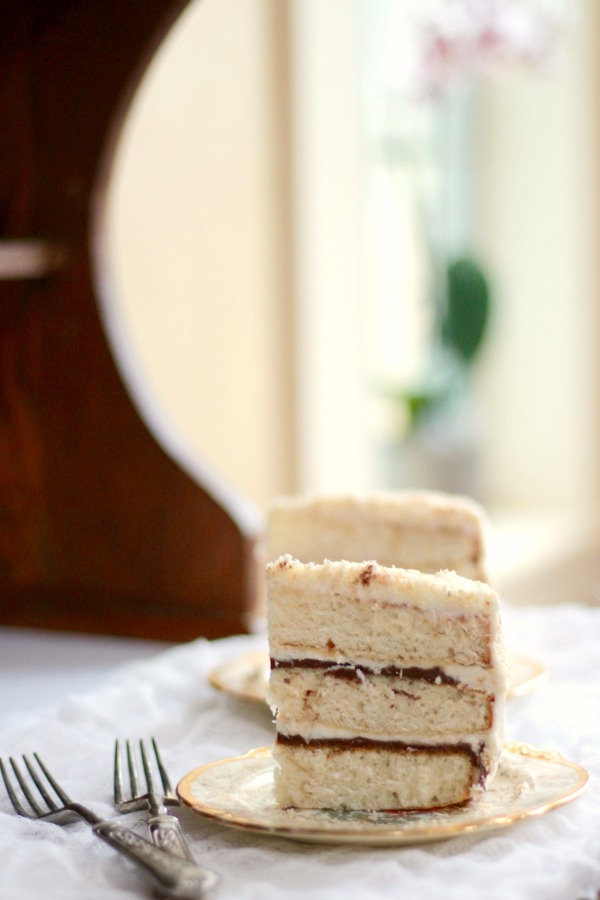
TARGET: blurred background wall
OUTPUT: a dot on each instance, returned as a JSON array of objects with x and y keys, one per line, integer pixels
[
  {"x": 242, "y": 236},
  {"x": 199, "y": 229}
]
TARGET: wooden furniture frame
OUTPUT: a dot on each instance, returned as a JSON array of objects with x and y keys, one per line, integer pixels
[{"x": 100, "y": 530}]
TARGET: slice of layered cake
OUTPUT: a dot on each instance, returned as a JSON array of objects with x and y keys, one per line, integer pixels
[
  {"x": 387, "y": 684},
  {"x": 422, "y": 530}
]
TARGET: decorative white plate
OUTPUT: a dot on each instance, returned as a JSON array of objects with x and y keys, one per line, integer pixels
[
  {"x": 246, "y": 677},
  {"x": 239, "y": 792}
]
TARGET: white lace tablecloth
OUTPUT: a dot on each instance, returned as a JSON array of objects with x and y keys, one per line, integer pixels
[{"x": 551, "y": 857}]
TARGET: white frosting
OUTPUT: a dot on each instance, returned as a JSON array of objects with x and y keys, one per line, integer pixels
[
  {"x": 403, "y": 507},
  {"x": 313, "y": 731}
]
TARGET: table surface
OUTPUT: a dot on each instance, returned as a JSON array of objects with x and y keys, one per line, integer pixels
[
  {"x": 39, "y": 667},
  {"x": 70, "y": 696}
]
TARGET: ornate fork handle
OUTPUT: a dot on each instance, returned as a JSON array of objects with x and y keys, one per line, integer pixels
[
  {"x": 173, "y": 875},
  {"x": 165, "y": 829},
  {"x": 166, "y": 833}
]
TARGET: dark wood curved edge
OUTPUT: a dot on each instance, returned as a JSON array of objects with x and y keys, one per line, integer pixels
[{"x": 100, "y": 530}]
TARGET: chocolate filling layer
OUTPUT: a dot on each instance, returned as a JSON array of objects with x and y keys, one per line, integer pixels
[
  {"x": 349, "y": 671},
  {"x": 361, "y": 743}
]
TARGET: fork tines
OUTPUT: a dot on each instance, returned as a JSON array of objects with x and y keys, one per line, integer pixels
[
  {"x": 134, "y": 780},
  {"x": 36, "y": 809}
]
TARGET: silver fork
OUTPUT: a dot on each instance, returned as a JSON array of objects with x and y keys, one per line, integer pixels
[
  {"x": 172, "y": 875},
  {"x": 165, "y": 830}
]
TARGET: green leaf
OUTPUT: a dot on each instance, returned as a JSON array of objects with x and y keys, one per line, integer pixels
[{"x": 467, "y": 312}]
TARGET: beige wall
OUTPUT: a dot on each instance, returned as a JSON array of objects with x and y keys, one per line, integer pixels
[
  {"x": 200, "y": 217},
  {"x": 539, "y": 161},
  {"x": 199, "y": 247}
]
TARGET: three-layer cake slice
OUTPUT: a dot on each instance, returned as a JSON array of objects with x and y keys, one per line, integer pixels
[{"x": 388, "y": 685}]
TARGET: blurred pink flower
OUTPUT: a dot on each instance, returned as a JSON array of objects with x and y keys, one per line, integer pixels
[{"x": 456, "y": 40}]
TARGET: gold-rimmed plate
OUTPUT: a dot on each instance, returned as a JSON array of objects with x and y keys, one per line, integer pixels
[
  {"x": 247, "y": 676},
  {"x": 239, "y": 792}
]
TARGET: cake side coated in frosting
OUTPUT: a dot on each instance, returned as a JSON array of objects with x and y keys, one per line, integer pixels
[
  {"x": 386, "y": 669},
  {"x": 424, "y": 530},
  {"x": 378, "y": 615}
]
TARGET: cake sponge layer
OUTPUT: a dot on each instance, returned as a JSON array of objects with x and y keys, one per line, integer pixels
[
  {"x": 318, "y": 702},
  {"x": 379, "y": 616},
  {"x": 375, "y": 779}
]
